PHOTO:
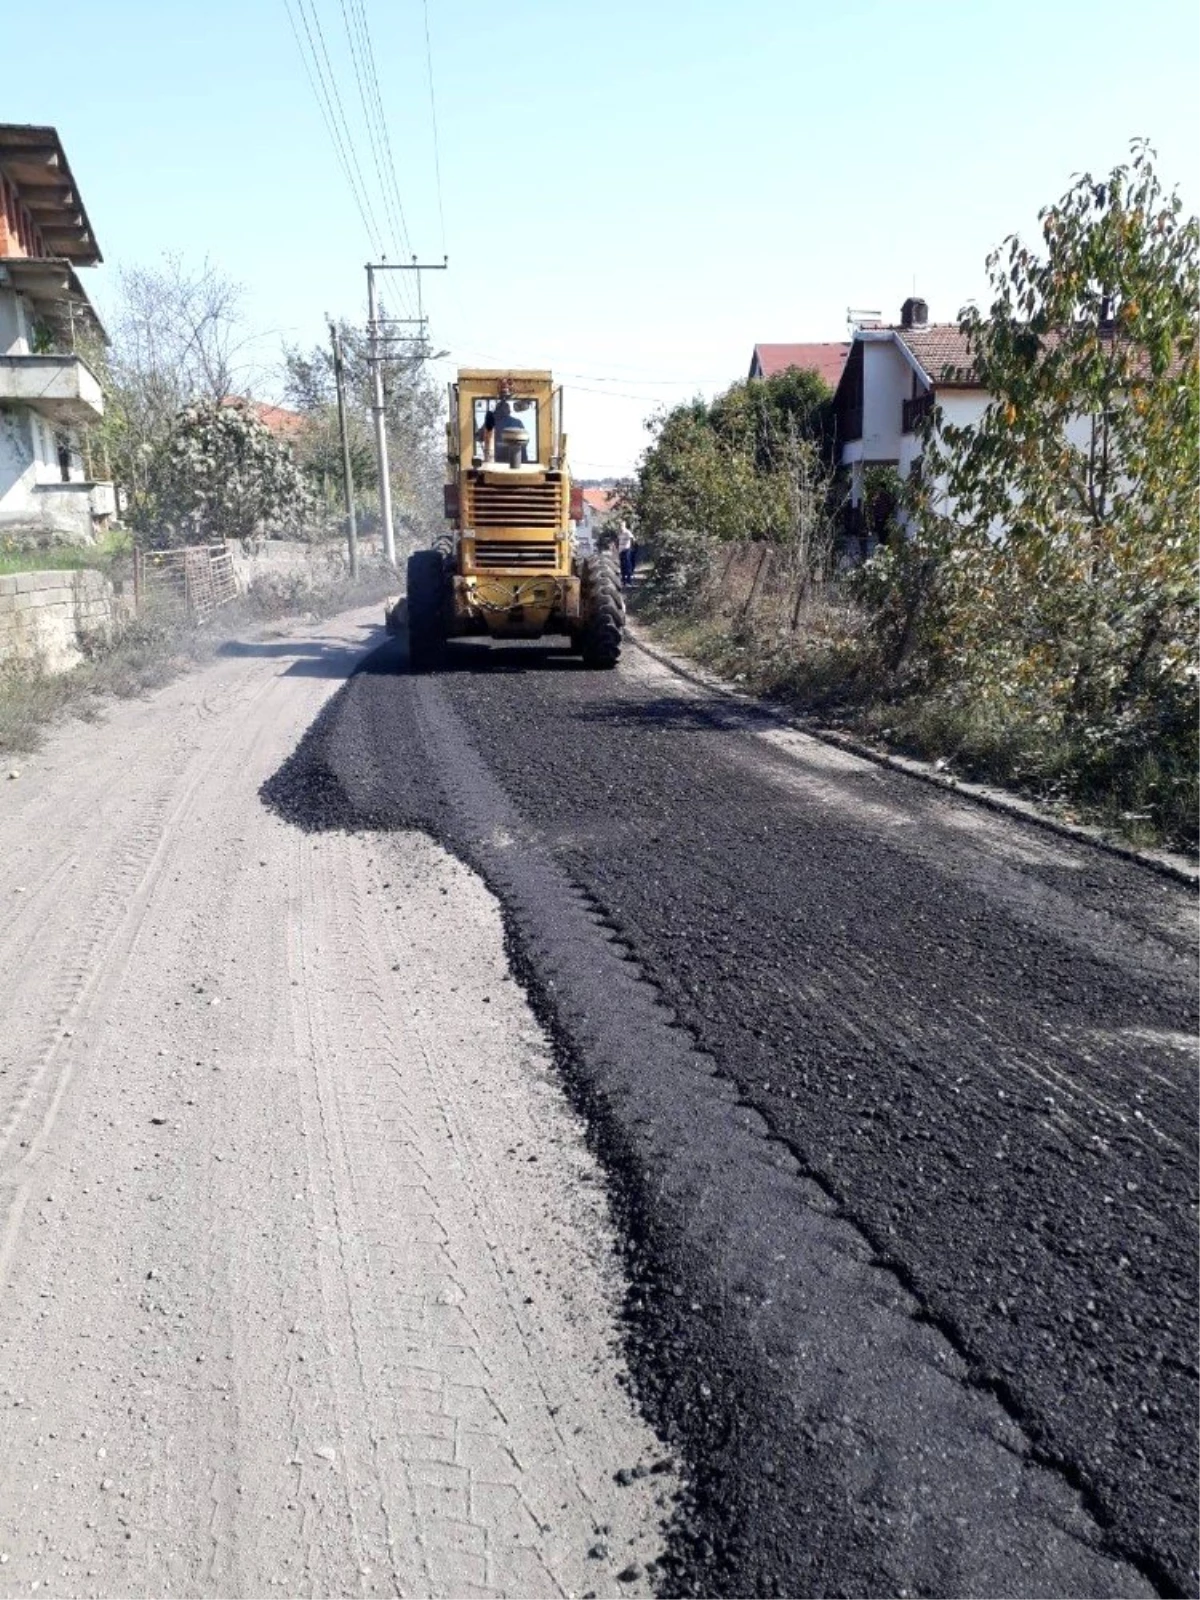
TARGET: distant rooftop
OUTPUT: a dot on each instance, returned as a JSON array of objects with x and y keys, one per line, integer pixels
[
  {"x": 278, "y": 420},
  {"x": 827, "y": 360}
]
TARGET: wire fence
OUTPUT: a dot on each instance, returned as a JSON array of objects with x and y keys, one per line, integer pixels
[
  {"x": 194, "y": 581},
  {"x": 767, "y": 582}
]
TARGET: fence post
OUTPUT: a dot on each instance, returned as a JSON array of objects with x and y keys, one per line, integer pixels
[
  {"x": 764, "y": 562},
  {"x": 801, "y": 591}
]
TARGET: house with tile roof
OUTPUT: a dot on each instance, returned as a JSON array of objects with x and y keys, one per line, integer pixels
[
  {"x": 826, "y": 360},
  {"x": 892, "y": 379},
  {"x": 48, "y": 394},
  {"x": 598, "y": 501}
]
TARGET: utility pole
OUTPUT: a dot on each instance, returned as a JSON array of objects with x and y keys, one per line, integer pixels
[
  {"x": 347, "y": 474},
  {"x": 376, "y": 358},
  {"x": 381, "y": 449}
]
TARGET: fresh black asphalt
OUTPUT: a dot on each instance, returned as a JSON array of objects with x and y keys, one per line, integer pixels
[{"x": 900, "y": 1107}]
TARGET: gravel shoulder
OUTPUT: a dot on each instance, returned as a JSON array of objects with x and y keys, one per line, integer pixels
[{"x": 306, "y": 1275}]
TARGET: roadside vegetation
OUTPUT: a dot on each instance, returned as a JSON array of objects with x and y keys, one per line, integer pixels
[
  {"x": 112, "y": 550},
  {"x": 1031, "y": 616},
  {"x": 183, "y": 438},
  {"x": 158, "y": 647}
]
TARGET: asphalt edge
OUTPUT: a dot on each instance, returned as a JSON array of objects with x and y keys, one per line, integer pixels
[{"x": 1165, "y": 863}]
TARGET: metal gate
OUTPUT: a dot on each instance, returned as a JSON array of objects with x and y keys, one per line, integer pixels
[{"x": 193, "y": 581}]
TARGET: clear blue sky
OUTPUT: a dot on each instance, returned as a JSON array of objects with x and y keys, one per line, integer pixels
[{"x": 634, "y": 191}]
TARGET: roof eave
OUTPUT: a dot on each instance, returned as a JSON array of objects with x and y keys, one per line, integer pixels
[{"x": 29, "y": 145}]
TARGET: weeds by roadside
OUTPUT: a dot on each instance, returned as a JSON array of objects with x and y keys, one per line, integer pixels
[
  {"x": 153, "y": 650},
  {"x": 831, "y": 666},
  {"x": 107, "y": 554}
]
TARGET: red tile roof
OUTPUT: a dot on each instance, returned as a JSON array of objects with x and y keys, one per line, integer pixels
[
  {"x": 275, "y": 419},
  {"x": 940, "y": 349},
  {"x": 599, "y": 499},
  {"x": 825, "y": 359}
]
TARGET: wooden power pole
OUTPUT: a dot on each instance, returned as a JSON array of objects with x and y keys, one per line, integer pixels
[{"x": 347, "y": 473}]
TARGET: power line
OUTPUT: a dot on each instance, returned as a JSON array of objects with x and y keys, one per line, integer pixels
[
  {"x": 325, "y": 109},
  {"x": 337, "y": 95},
  {"x": 326, "y": 91},
  {"x": 364, "y": 101},
  {"x": 437, "y": 160},
  {"x": 612, "y": 394},
  {"x": 373, "y": 112},
  {"x": 373, "y": 75}
]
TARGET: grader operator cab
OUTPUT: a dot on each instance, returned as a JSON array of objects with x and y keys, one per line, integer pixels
[{"x": 508, "y": 565}]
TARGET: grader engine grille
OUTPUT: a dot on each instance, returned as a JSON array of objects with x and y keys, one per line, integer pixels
[
  {"x": 503, "y": 505},
  {"x": 495, "y": 553}
]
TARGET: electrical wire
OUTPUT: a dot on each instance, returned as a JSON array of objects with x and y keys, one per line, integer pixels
[
  {"x": 336, "y": 94},
  {"x": 437, "y": 159},
  {"x": 409, "y": 293},
  {"x": 605, "y": 394},
  {"x": 373, "y": 76},
  {"x": 321, "y": 98},
  {"x": 372, "y": 132},
  {"x": 693, "y": 382}
]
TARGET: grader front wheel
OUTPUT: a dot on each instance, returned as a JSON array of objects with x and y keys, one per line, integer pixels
[
  {"x": 602, "y": 612},
  {"x": 426, "y": 610}
]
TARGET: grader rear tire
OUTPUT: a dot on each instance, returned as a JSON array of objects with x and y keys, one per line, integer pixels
[
  {"x": 426, "y": 610},
  {"x": 602, "y": 612}
]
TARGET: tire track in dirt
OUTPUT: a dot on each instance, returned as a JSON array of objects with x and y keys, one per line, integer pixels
[{"x": 288, "y": 1304}]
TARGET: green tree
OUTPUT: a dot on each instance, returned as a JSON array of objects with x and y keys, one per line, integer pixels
[
  {"x": 413, "y": 412},
  {"x": 1056, "y": 540},
  {"x": 751, "y": 465},
  {"x": 764, "y": 415},
  {"x": 178, "y": 335},
  {"x": 220, "y": 474}
]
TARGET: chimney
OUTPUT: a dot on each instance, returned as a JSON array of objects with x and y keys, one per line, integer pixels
[{"x": 914, "y": 313}]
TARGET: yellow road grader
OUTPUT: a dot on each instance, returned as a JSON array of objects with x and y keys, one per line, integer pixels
[{"x": 509, "y": 565}]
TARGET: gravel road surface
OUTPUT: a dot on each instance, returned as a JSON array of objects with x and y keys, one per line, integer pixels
[
  {"x": 307, "y": 1278},
  {"x": 898, "y": 1099}
]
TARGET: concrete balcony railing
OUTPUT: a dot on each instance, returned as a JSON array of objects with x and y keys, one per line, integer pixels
[{"x": 63, "y": 388}]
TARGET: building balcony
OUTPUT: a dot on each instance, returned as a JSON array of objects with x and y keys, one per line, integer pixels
[
  {"x": 63, "y": 388},
  {"x": 62, "y": 513}
]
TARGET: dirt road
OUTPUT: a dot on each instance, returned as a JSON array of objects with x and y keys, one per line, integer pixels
[
  {"x": 306, "y": 1276},
  {"x": 899, "y": 1098}
]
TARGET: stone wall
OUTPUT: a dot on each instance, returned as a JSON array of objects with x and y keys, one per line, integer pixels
[
  {"x": 292, "y": 564},
  {"x": 49, "y": 618}
]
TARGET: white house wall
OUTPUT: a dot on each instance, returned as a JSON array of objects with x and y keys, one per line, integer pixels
[
  {"x": 965, "y": 408},
  {"x": 18, "y": 464},
  {"x": 887, "y": 383},
  {"x": 33, "y": 498},
  {"x": 14, "y": 330}
]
